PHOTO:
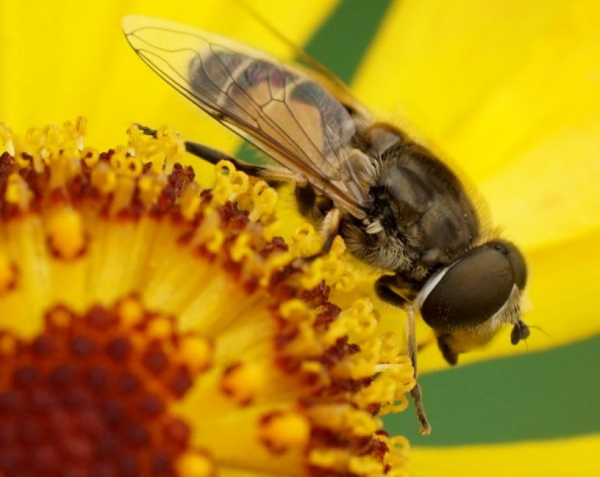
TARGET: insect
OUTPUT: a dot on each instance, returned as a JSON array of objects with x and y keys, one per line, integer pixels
[{"x": 398, "y": 207}]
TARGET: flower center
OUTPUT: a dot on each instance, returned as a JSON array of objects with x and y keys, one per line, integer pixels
[
  {"x": 149, "y": 327},
  {"x": 92, "y": 391}
]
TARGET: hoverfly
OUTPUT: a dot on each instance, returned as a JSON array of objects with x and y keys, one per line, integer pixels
[{"x": 397, "y": 206}]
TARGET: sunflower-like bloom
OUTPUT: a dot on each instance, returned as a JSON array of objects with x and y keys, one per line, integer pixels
[
  {"x": 153, "y": 328},
  {"x": 509, "y": 91}
]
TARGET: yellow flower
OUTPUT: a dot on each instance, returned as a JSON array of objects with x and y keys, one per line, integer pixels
[
  {"x": 150, "y": 327},
  {"x": 509, "y": 91}
]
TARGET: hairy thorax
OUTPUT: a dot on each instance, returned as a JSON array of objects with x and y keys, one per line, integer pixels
[{"x": 425, "y": 218}]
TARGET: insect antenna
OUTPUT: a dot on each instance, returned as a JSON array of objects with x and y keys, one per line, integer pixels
[{"x": 535, "y": 327}]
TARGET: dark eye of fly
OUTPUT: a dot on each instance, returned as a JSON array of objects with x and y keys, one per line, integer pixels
[{"x": 474, "y": 288}]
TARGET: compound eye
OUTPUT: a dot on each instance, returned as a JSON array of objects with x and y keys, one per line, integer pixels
[
  {"x": 517, "y": 262},
  {"x": 471, "y": 291}
]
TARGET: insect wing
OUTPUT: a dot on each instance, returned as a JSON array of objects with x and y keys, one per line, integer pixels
[
  {"x": 305, "y": 62},
  {"x": 277, "y": 108}
]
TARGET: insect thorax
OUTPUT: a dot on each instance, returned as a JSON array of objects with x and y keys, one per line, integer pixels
[{"x": 422, "y": 218}]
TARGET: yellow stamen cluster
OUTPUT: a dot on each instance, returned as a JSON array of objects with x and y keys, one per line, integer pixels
[{"x": 233, "y": 335}]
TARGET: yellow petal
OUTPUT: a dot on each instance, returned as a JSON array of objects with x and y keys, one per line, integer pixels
[
  {"x": 550, "y": 193},
  {"x": 575, "y": 457},
  {"x": 64, "y": 62},
  {"x": 439, "y": 59}
]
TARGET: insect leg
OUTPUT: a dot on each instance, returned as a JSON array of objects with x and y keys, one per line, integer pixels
[
  {"x": 330, "y": 228},
  {"x": 415, "y": 392},
  {"x": 384, "y": 289},
  {"x": 269, "y": 174},
  {"x": 311, "y": 205},
  {"x": 320, "y": 209},
  {"x": 213, "y": 156},
  {"x": 385, "y": 285}
]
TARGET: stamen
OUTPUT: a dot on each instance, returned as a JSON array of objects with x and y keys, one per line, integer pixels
[{"x": 150, "y": 327}]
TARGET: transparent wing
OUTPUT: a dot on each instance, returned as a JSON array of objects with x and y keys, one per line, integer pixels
[
  {"x": 278, "y": 108},
  {"x": 304, "y": 62}
]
